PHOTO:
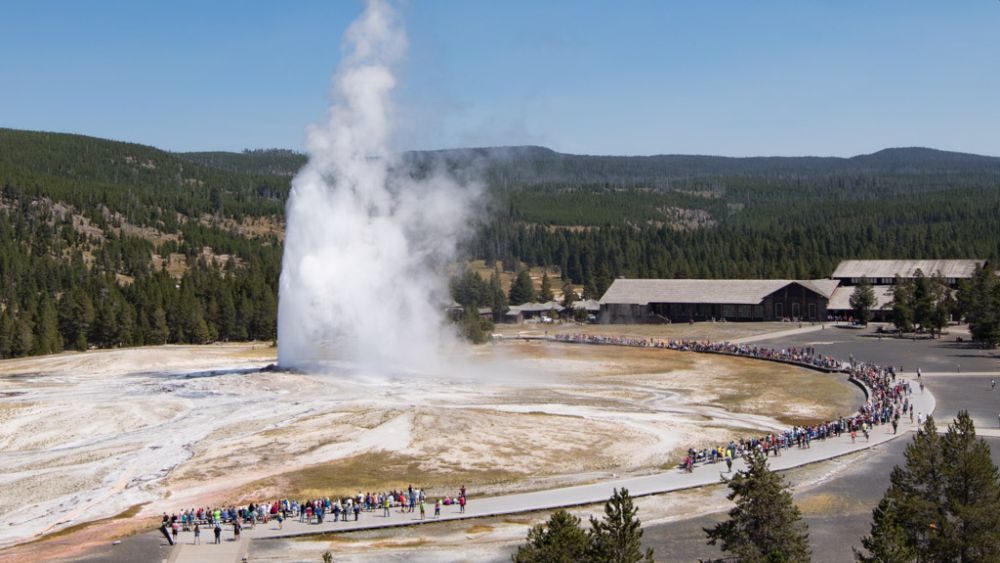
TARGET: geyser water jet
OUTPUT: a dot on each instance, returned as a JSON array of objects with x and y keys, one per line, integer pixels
[{"x": 366, "y": 240}]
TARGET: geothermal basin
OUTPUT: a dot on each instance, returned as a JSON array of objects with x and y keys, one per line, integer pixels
[{"x": 151, "y": 430}]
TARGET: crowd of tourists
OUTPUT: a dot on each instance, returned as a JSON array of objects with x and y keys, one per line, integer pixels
[
  {"x": 806, "y": 355},
  {"x": 308, "y": 511},
  {"x": 888, "y": 399}
]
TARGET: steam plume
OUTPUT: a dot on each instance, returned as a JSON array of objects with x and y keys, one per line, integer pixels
[{"x": 366, "y": 236}]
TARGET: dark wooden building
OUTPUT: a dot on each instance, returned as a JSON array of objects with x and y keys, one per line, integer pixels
[{"x": 651, "y": 301}]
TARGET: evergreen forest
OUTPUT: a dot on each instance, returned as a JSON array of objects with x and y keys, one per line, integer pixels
[{"x": 106, "y": 243}]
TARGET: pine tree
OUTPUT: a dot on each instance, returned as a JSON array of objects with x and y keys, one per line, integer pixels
[
  {"x": 545, "y": 294},
  {"x": 569, "y": 296},
  {"x": 862, "y": 300},
  {"x": 887, "y": 542},
  {"x": 603, "y": 281},
  {"x": 498, "y": 301},
  {"x": 590, "y": 290},
  {"x": 522, "y": 290},
  {"x": 76, "y": 315},
  {"x": 979, "y": 303},
  {"x": 47, "y": 338},
  {"x": 6, "y": 334},
  {"x": 902, "y": 305},
  {"x": 159, "y": 332},
  {"x": 765, "y": 525},
  {"x": 617, "y": 538},
  {"x": 23, "y": 339},
  {"x": 941, "y": 504},
  {"x": 972, "y": 492},
  {"x": 560, "y": 540}
]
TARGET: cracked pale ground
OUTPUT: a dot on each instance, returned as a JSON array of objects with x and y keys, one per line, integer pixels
[{"x": 86, "y": 436}]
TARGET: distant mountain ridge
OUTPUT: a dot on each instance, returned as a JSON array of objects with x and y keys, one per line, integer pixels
[{"x": 530, "y": 164}]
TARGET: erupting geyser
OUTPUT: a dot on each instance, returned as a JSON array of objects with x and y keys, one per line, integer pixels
[{"x": 366, "y": 240}]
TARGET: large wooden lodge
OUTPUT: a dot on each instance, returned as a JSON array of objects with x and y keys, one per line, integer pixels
[{"x": 683, "y": 300}]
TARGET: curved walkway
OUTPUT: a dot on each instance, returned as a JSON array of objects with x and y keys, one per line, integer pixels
[{"x": 595, "y": 493}]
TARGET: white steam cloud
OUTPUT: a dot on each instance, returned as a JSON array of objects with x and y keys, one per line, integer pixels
[{"x": 367, "y": 238}]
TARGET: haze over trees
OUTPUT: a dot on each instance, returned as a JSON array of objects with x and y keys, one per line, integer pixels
[{"x": 104, "y": 243}]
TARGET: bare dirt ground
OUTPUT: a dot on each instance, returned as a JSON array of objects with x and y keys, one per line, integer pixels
[{"x": 90, "y": 436}]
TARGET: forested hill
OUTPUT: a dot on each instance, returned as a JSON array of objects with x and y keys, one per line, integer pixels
[
  {"x": 106, "y": 243},
  {"x": 539, "y": 165},
  {"x": 278, "y": 162}
]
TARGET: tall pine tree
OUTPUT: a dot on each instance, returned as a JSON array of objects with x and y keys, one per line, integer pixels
[{"x": 764, "y": 525}]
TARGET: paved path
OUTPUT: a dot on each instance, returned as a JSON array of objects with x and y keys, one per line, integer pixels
[
  {"x": 964, "y": 373},
  {"x": 207, "y": 552},
  {"x": 806, "y": 328},
  {"x": 704, "y": 474}
]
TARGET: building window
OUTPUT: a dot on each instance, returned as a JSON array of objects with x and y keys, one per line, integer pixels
[
  {"x": 779, "y": 311},
  {"x": 795, "y": 310},
  {"x": 812, "y": 311}
]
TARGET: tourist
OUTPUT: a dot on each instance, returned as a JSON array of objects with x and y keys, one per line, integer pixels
[
  {"x": 461, "y": 503},
  {"x": 437, "y": 508},
  {"x": 197, "y": 534},
  {"x": 423, "y": 509},
  {"x": 218, "y": 532}
]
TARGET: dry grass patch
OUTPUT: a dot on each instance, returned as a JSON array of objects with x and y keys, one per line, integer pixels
[
  {"x": 790, "y": 394},
  {"x": 479, "y": 529},
  {"x": 400, "y": 544},
  {"x": 372, "y": 471},
  {"x": 829, "y": 504},
  {"x": 120, "y": 531}
]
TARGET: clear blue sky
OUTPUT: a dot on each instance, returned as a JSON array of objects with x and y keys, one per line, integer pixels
[{"x": 637, "y": 77}]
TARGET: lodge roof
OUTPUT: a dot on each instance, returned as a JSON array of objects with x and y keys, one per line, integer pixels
[
  {"x": 905, "y": 268},
  {"x": 725, "y": 292},
  {"x": 536, "y": 307}
]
